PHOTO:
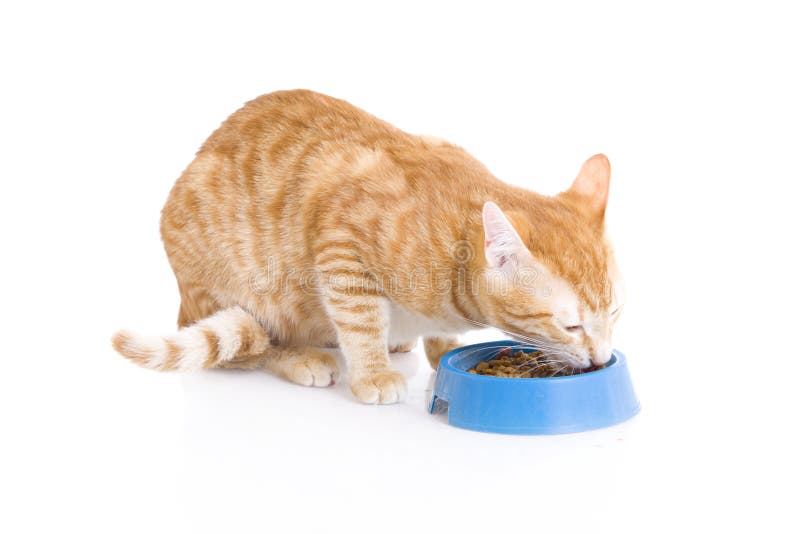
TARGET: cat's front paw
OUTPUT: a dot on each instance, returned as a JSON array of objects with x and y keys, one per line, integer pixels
[{"x": 378, "y": 387}]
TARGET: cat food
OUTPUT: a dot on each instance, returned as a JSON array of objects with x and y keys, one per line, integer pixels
[{"x": 523, "y": 364}]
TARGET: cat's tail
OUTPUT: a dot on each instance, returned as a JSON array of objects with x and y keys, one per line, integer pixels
[{"x": 215, "y": 341}]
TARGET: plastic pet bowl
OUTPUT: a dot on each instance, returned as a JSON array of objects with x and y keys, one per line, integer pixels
[{"x": 555, "y": 405}]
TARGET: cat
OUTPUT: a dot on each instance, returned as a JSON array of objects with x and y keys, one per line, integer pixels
[{"x": 305, "y": 222}]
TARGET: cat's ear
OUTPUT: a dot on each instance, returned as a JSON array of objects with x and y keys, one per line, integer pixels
[
  {"x": 503, "y": 246},
  {"x": 590, "y": 188}
]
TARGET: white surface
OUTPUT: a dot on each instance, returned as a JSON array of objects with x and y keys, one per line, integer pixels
[{"x": 696, "y": 106}]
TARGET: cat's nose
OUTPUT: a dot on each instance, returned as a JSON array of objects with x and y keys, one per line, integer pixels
[{"x": 600, "y": 356}]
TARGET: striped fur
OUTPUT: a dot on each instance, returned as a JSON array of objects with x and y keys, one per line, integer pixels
[
  {"x": 217, "y": 340},
  {"x": 305, "y": 222}
]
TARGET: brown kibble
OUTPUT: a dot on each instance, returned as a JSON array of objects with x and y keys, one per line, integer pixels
[{"x": 523, "y": 365}]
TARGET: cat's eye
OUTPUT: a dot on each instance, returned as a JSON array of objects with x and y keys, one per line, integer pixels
[
  {"x": 613, "y": 313},
  {"x": 574, "y": 328}
]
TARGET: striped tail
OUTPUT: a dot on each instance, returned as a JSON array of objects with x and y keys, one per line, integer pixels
[{"x": 211, "y": 342}]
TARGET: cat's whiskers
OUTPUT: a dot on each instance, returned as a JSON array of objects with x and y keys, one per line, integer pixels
[
  {"x": 539, "y": 342},
  {"x": 562, "y": 357},
  {"x": 555, "y": 352}
]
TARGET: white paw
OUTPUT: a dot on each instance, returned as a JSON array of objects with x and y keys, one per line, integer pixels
[
  {"x": 318, "y": 369},
  {"x": 406, "y": 346},
  {"x": 379, "y": 387}
]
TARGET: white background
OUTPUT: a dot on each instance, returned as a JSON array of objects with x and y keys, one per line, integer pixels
[{"x": 695, "y": 103}]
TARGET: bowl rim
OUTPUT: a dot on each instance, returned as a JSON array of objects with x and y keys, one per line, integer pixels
[{"x": 617, "y": 360}]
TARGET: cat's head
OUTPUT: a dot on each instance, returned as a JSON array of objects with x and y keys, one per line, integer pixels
[{"x": 550, "y": 272}]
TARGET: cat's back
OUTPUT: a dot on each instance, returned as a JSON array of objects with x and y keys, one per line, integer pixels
[
  {"x": 284, "y": 120},
  {"x": 251, "y": 180}
]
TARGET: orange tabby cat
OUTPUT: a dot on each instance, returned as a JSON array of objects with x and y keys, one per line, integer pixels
[{"x": 305, "y": 222}]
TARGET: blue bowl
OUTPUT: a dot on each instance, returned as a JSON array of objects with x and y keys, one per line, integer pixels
[{"x": 555, "y": 405}]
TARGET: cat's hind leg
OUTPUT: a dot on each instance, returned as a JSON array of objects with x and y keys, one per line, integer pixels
[
  {"x": 231, "y": 338},
  {"x": 196, "y": 304},
  {"x": 302, "y": 365},
  {"x": 403, "y": 346}
]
